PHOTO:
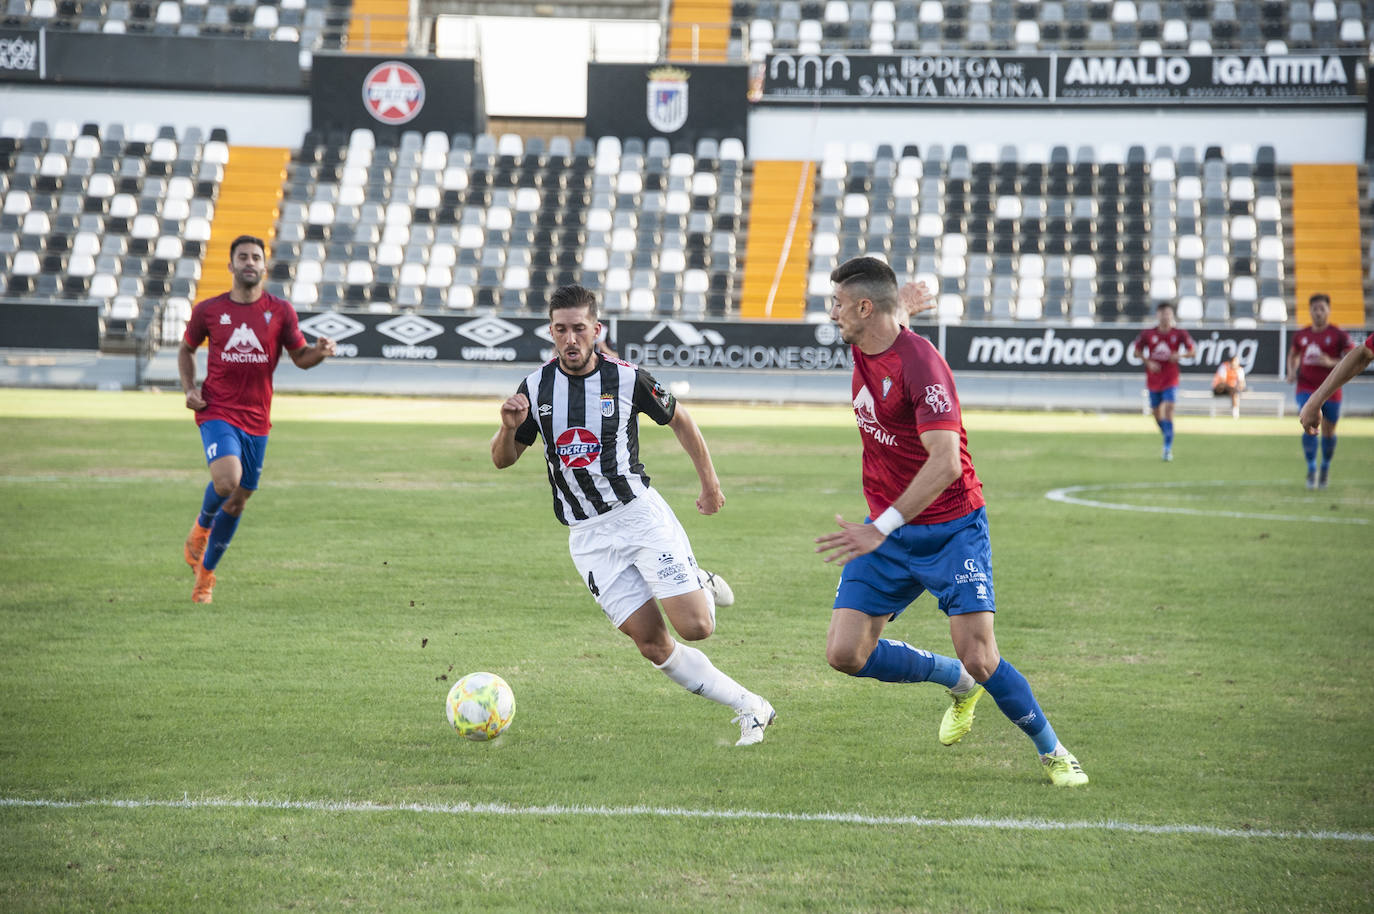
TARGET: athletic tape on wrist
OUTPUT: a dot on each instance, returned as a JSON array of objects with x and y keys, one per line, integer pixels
[{"x": 888, "y": 521}]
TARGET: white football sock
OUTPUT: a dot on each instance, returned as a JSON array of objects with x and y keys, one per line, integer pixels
[{"x": 692, "y": 670}]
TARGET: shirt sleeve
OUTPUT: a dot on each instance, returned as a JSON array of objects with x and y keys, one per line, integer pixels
[
  {"x": 1346, "y": 343},
  {"x": 291, "y": 336},
  {"x": 1139, "y": 342},
  {"x": 653, "y": 399},
  {"x": 526, "y": 432},
  {"x": 1185, "y": 341},
  {"x": 195, "y": 327},
  {"x": 1369, "y": 343},
  {"x": 930, "y": 385}
]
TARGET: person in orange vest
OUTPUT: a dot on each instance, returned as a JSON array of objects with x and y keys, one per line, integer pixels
[{"x": 1230, "y": 379}]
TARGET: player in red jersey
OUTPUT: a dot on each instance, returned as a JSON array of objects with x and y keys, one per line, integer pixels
[
  {"x": 1354, "y": 364},
  {"x": 1161, "y": 346},
  {"x": 1315, "y": 351},
  {"x": 247, "y": 330},
  {"x": 928, "y": 527}
]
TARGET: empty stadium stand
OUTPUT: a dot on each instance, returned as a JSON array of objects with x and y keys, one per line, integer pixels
[
  {"x": 1147, "y": 27},
  {"x": 121, "y": 218},
  {"x": 131, "y": 217},
  {"x": 494, "y": 222},
  {"x": 313, "y": 24}
]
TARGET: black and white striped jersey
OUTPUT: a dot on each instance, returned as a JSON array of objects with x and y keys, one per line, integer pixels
[{"x": 591, "y": 434}]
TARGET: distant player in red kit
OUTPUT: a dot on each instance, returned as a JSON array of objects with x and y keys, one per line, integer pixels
[
  {"x": 247, "y": 330},
  {"x": 1161, "y": 346},
  {"x": 928, "y": 527},
  {"x": 1352, "y": 366},
  {"x": 1315, "y": 351}
]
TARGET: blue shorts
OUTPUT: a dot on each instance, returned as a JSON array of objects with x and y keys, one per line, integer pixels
[
  {"x": 1331, "y": 409},
  {"x": 223, "y": 439},
  {"x": 1167, "y": 395},
  {"x": 952, "y": 560}
]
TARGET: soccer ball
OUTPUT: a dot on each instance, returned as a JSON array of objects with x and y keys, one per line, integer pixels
[{"x": 480, "y": 706}]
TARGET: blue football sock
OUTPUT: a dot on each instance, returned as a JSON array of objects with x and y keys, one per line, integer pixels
[
  {"x": 1167, "y": 427},
  {"x": 221, "y": 532},
  {"x": 1309, "y": 450},
  {"x": 1328, "y": 451},
  {"x": 1013, "y": 696},
  {"x": 210, "y": 505},
  {"x": 897, "y": 661}
]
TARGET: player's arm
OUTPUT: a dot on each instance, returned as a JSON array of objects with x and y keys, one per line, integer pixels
[
  {"x": 693, "y": 442},
  {"x": 1354, "y": 363},
  {"x": 186, "y": 369},
  {"x": 310, "y": 356},
  {"x": 1292, "y": 365},
  {"x": 938, "y": 473},
  {"x": 505, "y": 450}
]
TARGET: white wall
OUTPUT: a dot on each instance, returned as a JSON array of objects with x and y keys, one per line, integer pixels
[
  {"x": 1297, "y": 135},
  {"x": 252, "y": 120}
]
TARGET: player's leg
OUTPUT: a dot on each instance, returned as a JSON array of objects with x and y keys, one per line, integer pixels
[
  {"x": 976, "y": 646},
  {"x": 215, "y": 436},
  {"x": 875, "y": 588},
  {"x": 1166, "y": 420},
  {"x": 960, "y": 575},
  {"x": 240, "y": 475},
  {"x": 692, "y": 669},
  {"x": 1309, "y": 444},
  {"x": 605, "y": 556},
  {"x": 1331, "y": 414}
]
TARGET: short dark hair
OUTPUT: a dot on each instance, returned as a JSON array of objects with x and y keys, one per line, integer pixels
[
  {"x": 1319, "y": 296},
  {"x": 246, "y": 239},
  {"x": 572, "y": 296},
  {"x": 871, "y": 278},
  {"x": 1166, "y": 304}
]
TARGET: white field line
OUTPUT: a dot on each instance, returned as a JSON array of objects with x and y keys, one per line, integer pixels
[
  {"x": 671, "y": 812},
  {"x": 1069, "y": 495}
]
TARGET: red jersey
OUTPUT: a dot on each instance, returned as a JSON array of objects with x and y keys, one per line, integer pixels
[
  {"x": 1369, "y": 343},
  {"x": 1310, "y": 345},
  {"x": 899, "y": 393},
  {"x": 245, "y": 343},
  {"x": 1159, "y": 345}
]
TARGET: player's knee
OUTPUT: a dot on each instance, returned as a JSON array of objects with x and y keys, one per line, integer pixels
[
  {"x": 696, "y": 629},
  {"x": 846, "y": 658},
  {"x": 655, "y": 652},
  {"x": 981, "y": 664}
]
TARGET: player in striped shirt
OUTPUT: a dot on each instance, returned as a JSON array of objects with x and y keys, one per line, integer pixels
[
  {"x": 929, "y": 528},
  {"x": 629, "y": 548}
]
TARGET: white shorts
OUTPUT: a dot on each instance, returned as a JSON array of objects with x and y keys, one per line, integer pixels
[{"x": 633, "y": 554}]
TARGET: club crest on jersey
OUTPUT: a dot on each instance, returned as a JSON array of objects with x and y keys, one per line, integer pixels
[
  {"x": 887, "y": 386},
  {"x": 577, "y": 447},
  {"x": 267, "y": 317},
  {"x": 608, "y": 405},
  {"x": 937, "y": 398},
  {"x": 224, "y": 319}
]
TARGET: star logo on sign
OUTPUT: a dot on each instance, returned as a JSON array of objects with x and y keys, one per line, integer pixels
[{"x": 393, "y": 92}]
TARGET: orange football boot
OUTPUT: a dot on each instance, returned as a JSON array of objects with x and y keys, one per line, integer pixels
[
  {"x": 195, "y": 543},
  {"x": 205, "y": 585}
]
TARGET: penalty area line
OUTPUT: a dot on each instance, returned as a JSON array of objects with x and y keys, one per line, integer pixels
[
  {"x": 670, "y": 812},
  {"x": 1070, "y": 495}
]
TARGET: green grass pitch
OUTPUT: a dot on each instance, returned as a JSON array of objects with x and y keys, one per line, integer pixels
[{"x": 285, "y": 748}]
